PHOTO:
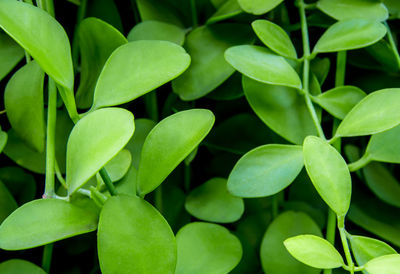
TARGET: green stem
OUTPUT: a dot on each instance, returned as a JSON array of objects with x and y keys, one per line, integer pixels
[
  {"x": 345, "y": 243},
  {"x": 46, "y": 259},
  {"x": 275, "y": 206},
  {"x": 393, "y": 44},
  {"x": 75, "y": 42},
  {"x": 340, "y": 68},
  {"x": 107, "y": 181},
  {"x": 50, "y": 140},
  {"x": 150, "y": 100},
  {"x": 330, "y": 232},
  {"x": 360, "y": 163},
  {"x": 59, "y": 175},
  {"x": 50, "y": 7},
  {"x": 194, "y": 13}
]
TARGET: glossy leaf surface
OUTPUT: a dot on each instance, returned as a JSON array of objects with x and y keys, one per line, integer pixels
[
  {"x": 385, "y": 146},
  {"x": 17, "y": 266},
  {"x": 258, "y": 6},
  {"x": 389, "y": 264},
  {"x": 10, "y": 52},
  {"x": 155, "y": 30}
]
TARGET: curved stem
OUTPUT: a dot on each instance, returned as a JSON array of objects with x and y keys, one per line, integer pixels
[
  {"x": 59, "y": 175},
  {"x": 107, "y": 181},
  {"x": 360, "y": 163},
  {"x": 340, "y": 68},
  {"x": 46, "y": 259},
  {"x": 75, "y": 42},
  {"x": 275, "y": 206},
  {"x": 393, "y": 44}
]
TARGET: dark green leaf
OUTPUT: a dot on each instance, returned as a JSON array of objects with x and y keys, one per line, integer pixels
[
  {"x": 10, "y": 53},
  {"x": 155, "y": 30},
  {"x": 258, "y": 6},
  {"x": 7, "y": 202},
  {"x": 17, "y": 266}
]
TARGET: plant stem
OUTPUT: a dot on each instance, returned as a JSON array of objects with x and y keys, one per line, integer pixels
[
  {"x": 340, "y": 68},
  {"x": 107, "y": 181},
  {"x": 393, "y": 44},
  {"x": 50, "y": 7},
  {"x": 360, "y": 163},
  {"x": 345, "y": 244},
  {"x": 50, "y": 140},
  {"x": 75, "y": 42},
  {"x": 275, "y": 206},
  {"x": 59, "y": 175},
  {"x": 194, "y": 13},
  {"x": 46, "y": 259},
  {"x": 150, "y": 100}
]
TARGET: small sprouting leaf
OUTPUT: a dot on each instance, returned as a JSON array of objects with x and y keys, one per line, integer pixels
[
  {"x": 314, "y": 251},
  {"x": 261, "y": 65},
  {"x": 23, "y": 97},
  {"x": 365, "y": 248},
  {"x": 340, "y": 100},
  {"x": 10, "y": 53},
  {"x": 136, "y": 68},
  {"x": 377, "y": 112},
  {"x": 213, "y": 203},
  {"x": 258, "y": 6},
  {"x": 155, "y": 30},
  {"x": 133, "y": 237},
  {"x": 206, "y": 248},
  {"x": 7, "y": 202},
  {"x": 388, "y": 264},
  {"x": 349, "y": 9},
  {"x": 94, "y": 141},
  {"x": 17, "y": 266},
  {"x": 266, "y": 170},
  {"x": 118, "y": 166},
  {"x": 274, "y": 37},
  {"x": 275, "y": 258},
  {"x": 44, "y": 221},
  {"x": 385, "y": 146},
  {"x": 228, "y": 10},
  {"x": 350, "y": 34},
  {"x": 97, "y": 40},
  {"x": 168, "y": 144},
  {"x": 329, "y": 173}
]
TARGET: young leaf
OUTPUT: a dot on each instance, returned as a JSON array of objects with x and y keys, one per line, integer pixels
[
  {"x": 385, "y": 146},
  {"x": 10, "y": 53},
  {"x": 260, "y": 64},
  {"x": 44, "y": 221},
  {"x": 265, "y": 170},
  {"x": 17, "y": 266},
  {"x": 274, "y": 37},
  {"x": 228, "y": 10},
  {"x": 212, "y": 202},
  {"x": 137, "y": 68},
  {"x": 314, "y": 251},
  {"x": 388, "y": 264},
  {"x": 375, "y": 113},
  {"x": 155, "y": 30},
  {"x": 329, "y": 173},
  {"x": 7, "y": 202},
  {"x": 320, "y": 68},
  {"x": 206, "y": 248},
  {"x": 100, "y": 134},
  {"x": 168, "y": 144},
  {"x": 133, "y": 237},
  {"x": 23, "y": 98},
  {"x": 258, "y": 7},
  {"x": 118, "y": 166},
  {"x": 350, "y": 34}
]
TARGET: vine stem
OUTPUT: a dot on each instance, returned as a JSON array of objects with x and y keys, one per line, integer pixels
[
  {"x": 393, "y": 44},
  {"x": 360, "y": 163},
  {"x": 107, "y": 181},
  {"x": 194, "y": 13},
  {"x": 47, "y": 256},
  {"x": 345, "y": 244}
]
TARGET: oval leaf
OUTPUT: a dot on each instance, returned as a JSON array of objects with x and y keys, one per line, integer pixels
[
  {"x": 385, "y": 146},
  {"x": 137, "y": 68},
  {"x": 228, "y": 10},
  {"x": 258, "y": 6},
  {"x": 100, "y": 134},
  {"x": 155, "y": 30},
  {"x": 265, "y": 171},
  {"x": 10, "y": 52},
  {"x": 329, "y": 173},
  {"x": 17, "y": 266},
  {"x": 25, "y": 228},
  {"x": 7, "y": 202},
  {"x": 206, "y": 248},
  {"x": 388, "y": 264},
  {"x": 118, "y": 166},
  {"x": 168, "y": 144}
]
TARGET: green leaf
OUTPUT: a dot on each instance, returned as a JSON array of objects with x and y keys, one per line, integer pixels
[
  {"x": 23, "y": 97},
  {"x": 21, "y": 184},
  {"x": 282, "y": 109},
  {"x": 168, "y": 144},
  {"x": 3, "y": 139},
  {"x": 275, "y": 258},
  {"x": 155, "y": 30},
  {"x": 350, "y": 9},
  {"x": 7, "y": 202},
  {"x": 228, "y": 10},
  {"x": 118, "y": 166},
  {"x": 340, "y": 100},
  {"x": 212, "y": 202},
  {"x": 350, "y": 34},
  {"x": 158, "y": 11},
  {"x": 137, "y": 68},
  {"x": 274, "y": 37},
  {"x": 44, "y": 221},
  {"x": 209, "y": 69},
  {"x": 17, "y": 266},
  {"x": 393, "y": 7},
  {"x": 10, "y": 53},
  {"x": 105, "y": 10},
  {"x": 127, "y": 185},
  {"x": 314, "y": 251},
  {"x": 133, "y": 237},
  {"x": 375, "y": 113},
  {"x": 388, "y": 264},
  {"x": 329, "y": 173},
  {"x": 320, "y": 68},
  {"x": 261, "y": 65},
  {"x": 100, "y": 134},
  {"x": 365, "y": 248},
  {"x": 206, "y": 248},
  {"x": 265, "y": 170},
  {"x": 385, "y": 146},
  {"x": 97, "y": 40},
  {"x": 258, "y": 6}
]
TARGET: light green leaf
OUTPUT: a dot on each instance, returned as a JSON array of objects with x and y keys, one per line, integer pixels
[
  {"x": 258, "y": 6},
  {"x": 350, "y": 9},
  {"x": 212, "y": 202},
  {"x": 97, "y": 40},
  {"x": 23, "y": 97},
  {"x": 314, "y": 251},
  {"x": 275, "y": 258},
  {"x": 17, "y": 266},
  {"x": 261, "y": 65},
  {"x": 44, "y": 221},
  {"x": 350, "y": 34},
  {"x": 155, "y": 30},
  {"x": 375, "y": 113},
  {"x": 329, "y": 173},
  {"x": 320, "y": 68},
  {"x": 206, "y": 248},
  {"x": 118, "y": 166},
  {"x": 206, "y": 45},
  {"x": 10, "y": 53},
  {"x": 168, "y": 144},
  {"x": 265, "y": 170},
  {"x": 100, "y": 134},
  {"x": 133, "y": 237},
  {"x": 385, "y": 146},
  {"x": 388, "y": 264},
  {"x": 274, "y": 37},
  {"x": 7, "y": 202},
  {"x": 137, "y": 68},
  {"x": 228, "y": 10}
]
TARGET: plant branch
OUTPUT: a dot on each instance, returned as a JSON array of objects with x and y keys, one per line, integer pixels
[
  {"x": 107, "y": 181},
  {"x": 47, "y": 255},
  {"x": 393, "y": 44},
  {"x": 360, "y": 163}
]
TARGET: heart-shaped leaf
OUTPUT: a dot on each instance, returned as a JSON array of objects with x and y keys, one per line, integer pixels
[
  {"x": 133, "y": 237},
  {"x": 168, "y": 144},
  {"x": 156, "y": 30},
  {"x": 100, "y": 134},
  {"x": 385, "y": 146},
  {"x": 137, "y": 68},
  {"x": 10, "y": 53},
  {"x": 44, "y": 221},
  {"x": 17, "y": 266},
  {"x": 258, "y": 6},
  {"x": 389, "y": 264}
]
